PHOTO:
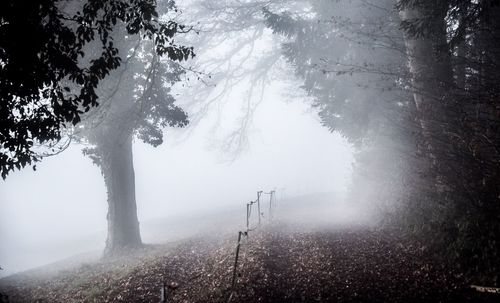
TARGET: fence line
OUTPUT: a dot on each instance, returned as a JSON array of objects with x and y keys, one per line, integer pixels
[
  {"x": 167, "y": 290},
  {"x": 245, "y": 234}
]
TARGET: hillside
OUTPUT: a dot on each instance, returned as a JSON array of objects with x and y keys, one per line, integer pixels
[{"x": 277, "y": 264}]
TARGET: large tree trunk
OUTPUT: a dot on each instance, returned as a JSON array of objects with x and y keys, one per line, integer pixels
[
  {"x": 432, "y": 76},
  {"x": 439, "y": 117},
  {"x": 429, "y": 64},
  {"x": 118, "y": 169}
]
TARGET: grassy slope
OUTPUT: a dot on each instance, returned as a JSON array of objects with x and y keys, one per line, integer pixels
[
  {"x": 320, "y": 252},
  {"x": 277, "y": 265}
]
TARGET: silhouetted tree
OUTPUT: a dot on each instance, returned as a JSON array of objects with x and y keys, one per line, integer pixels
[{"x": 135, "y": 102}]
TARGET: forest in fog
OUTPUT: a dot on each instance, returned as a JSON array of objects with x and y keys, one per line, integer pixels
[{"x": 387, "y": 111}]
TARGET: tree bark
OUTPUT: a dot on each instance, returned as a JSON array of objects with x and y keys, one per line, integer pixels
[
  {"x": 431, "y": 71},
  {"x": 429, "y": 62},
  {"x": 118, "y": 170}
]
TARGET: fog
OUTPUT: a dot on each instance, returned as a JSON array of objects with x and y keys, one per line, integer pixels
[
  {"x": 363, "y": 132},
  {"x": 59, "y": 210}
]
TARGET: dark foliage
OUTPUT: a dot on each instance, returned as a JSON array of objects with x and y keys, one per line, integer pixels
[
  {"x": 465, "y": 144},
  {"x": 450, "y": 141},
  {"x": 44, "y": 82}
]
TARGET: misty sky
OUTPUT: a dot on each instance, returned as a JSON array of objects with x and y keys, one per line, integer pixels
[
  {"x": 53, "y": 212},
  {"x": 60, "y": 210}
]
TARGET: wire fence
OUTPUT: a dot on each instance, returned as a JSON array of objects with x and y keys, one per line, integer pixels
[
  {"x": 249, "y": 228},
  {"x": 257, "y": 213}
]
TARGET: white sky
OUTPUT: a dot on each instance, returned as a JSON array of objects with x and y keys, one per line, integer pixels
[
  {"x": 48, "y": 214},
  {"x": 60, "y": 210}
]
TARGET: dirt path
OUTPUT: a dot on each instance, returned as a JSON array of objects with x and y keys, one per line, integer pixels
[
  {"x": 348, "y": 266},
  {"x": 276, "y": 265}
]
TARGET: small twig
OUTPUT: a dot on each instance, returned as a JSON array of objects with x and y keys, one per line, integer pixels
[{"x": 491, "y": 290}]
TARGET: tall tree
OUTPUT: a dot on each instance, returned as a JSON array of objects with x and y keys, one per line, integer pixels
[
  {"x": 453, "y": 62},
  {"x": 93, "y": 71},
  {"x": 135, "y": 102}
]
